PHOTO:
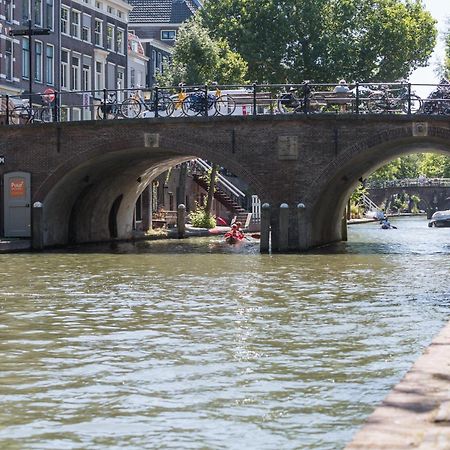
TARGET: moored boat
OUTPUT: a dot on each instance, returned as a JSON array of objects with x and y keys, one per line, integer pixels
[{"x": 440, "y": 219}]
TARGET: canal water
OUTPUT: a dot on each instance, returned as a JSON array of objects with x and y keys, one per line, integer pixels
[{"x": 196, "y": 345}]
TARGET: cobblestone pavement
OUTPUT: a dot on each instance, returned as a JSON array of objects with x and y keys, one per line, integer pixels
[{"x": 416, "y": 413}]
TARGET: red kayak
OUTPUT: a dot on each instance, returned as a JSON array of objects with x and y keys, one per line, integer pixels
[{"x": 233, "y": 238}]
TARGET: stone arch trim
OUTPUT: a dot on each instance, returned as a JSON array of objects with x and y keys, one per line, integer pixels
[
  {"x": 392, "y": 135},
  {"x": 137, "y": 141}
]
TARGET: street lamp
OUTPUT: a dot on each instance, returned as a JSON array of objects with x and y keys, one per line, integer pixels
[{"x": 29, "y": 31}]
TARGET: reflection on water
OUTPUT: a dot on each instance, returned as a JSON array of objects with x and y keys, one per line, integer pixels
[{"x": 194, "y": 344}]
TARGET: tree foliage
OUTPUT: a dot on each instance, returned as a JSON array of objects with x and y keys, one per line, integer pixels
[
  {"x": 447, "y": 52},
  {"x": 431, "y": 165},
  {"x": 325, "y": 40},
  {"x": 198, "y": 58}
]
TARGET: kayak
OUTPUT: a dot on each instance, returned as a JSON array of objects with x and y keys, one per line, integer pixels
[{"x": 232, "y": 239}]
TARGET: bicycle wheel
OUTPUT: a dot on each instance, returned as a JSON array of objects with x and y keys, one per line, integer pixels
[
  {"x": 108, "y": 111},
  {"x": 224, "y": 105},
  {"x": 46, "y": 114},
  {"x": 19, "y": 115},
  {"x": 416, "y": 104},
  {"x": 376, "y": 103},
  {"x": 316, "y": 104},
  {"x": 192, "y": 105},
  {"x": 130, "y": 108},
  {"x": 165, "y": 106}
]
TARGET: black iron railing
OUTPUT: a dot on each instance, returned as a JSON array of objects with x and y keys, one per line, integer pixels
[{"x": 306, "y": 98}]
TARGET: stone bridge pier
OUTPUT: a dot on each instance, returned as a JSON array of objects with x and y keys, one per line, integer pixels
[{"x": 87, "y": 176}]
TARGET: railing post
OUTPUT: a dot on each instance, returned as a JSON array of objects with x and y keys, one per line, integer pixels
[
  {"x": 55, "y": 107},
  {"x": 7, "y": 109},
  {"x": 305, "y": 96},
  {"x": 357, "y": 98},
  {"x": 156, "y": 100},
  {"x": 206, "y": 100},
  {"x": 105, "y": 97},
  {"x": 254, "y": 99},
  {"x": 409, "y": 98}
]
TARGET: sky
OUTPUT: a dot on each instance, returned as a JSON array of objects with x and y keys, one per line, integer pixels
[{"x": 440, "y": 10}]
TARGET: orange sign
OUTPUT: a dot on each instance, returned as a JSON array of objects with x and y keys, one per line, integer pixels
[{"x": 17, "y": 187}]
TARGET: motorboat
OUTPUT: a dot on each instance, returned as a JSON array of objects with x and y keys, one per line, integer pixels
[{"x": 440, "y": 219}]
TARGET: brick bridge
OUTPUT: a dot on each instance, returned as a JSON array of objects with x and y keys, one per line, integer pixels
[
  {"x": 434, "y": 194},
  {"x": 88, "y": 175}
]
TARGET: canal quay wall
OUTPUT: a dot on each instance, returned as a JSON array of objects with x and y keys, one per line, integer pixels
[{"x": 416, "y": 413}]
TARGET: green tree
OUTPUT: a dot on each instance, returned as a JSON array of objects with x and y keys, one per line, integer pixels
[
  {"x": 324, "y": 40},
  {"x": 435, "y": 166},
  {"x": 447, "y": 52},
  {"x": 198, "y": 58}
]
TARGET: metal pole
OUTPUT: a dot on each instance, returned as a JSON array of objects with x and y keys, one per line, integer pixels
[
  {"x": 206, "y": 100},
  {"x": 7, "y": 109},
  {"x": 357, "y": 98},
  {"x": 409, "y": 98},
  {"x": 254, "y": 99},
  {"x": 156, "y": 101},
  {"x": 30, "y": 57}
]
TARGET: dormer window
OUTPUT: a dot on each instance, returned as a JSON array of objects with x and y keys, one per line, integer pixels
[{"x": 168, "y": 35}]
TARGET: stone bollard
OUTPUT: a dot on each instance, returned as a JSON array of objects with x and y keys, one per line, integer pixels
[
  {"x": 283, "y": 241},
  {"x": 181, "y": 221},
  {"x": 301, "y": 226},
  {"x": 264, "y": 243},
  {"x": 37, "y": 241}
]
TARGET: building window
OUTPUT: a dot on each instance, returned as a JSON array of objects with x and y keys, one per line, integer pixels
[
  {"x": 110, "y": 9},
  {"x": 75, "y": 81},
  {"x": 86, "y": 81},
  {"x": 98, "y": 32},
  {"x": 9, "y": 59},
  {"x": 38, "y": 61},
  {"x": 64, "y": 69},
  {"x": 154, "y": 60},
  {"x": 120, "y": 85},
  {"x": 98, "y": 5},
  {"x": 38, "y": 12},
  {"x": 64, "y": 20},
  {"x": 25, "y": 58},
  {"x": 86, "y": 30},
  {"x": 49, "y": 64},
  {"x": 110, "y": 37},
  {"x": 26, "y": 9},
  {"x": 49, "y": 14},
  {"x": 132, "y": 77},
  {"x": 99, "y": 77},
  {"x": 168, "y": 35},
  {"x": 119, "y": 14},
  {"x": 120, "y": 42},
  {"x": 9, "y": 9},
  {"x": 76, "y": 24}
]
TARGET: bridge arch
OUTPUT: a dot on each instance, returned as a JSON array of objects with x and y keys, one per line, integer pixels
[
  {"x": 91, "y": 195},
  {"x": 338, "y": 180}
]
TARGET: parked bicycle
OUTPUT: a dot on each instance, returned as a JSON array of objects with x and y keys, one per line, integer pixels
[
  {"x": 110, "y": 109},
  {"x": 195, "y": 103},
  {"x": 136, "y": 103},
  {"x": 24, "y": 113},
  {"x": 438, "y": 102},
  {"x": 387, "y": 99},
  {"x": 300, "y": 99}
]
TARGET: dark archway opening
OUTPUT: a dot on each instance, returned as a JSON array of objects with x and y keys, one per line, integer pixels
[{"x": 112, "y": 221}]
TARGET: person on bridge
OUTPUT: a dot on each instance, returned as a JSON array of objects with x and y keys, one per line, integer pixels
[{"x": 343, "y": 89}]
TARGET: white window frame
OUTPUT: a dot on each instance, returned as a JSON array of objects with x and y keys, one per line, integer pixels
[
  {"x": 9, "y": 11},
  {"x": 38, "y": 13},
  {"x": 65, "y": 70},
  {"x": 25, "y": 58},
  {"x": 98, "y": 33},
  {"x": 120, "y": 83},
  {"x": 38, "y": 62},
  {"x": 86, "y": 77},
  {"x": 49, "y": 14},
  {"x": 120, "y": 45},
  {"x": 9, "y": 60},
  {"x": 99, "y": 76},
  {"x": 110, "y": 37},
  {"x": 50, "y": 64},
  {"x": 75, "y": 25},
  {"x": 65, "y": 20},
  {"x": 75, "y": 72},
  {"x": 86, "y": 27}
]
